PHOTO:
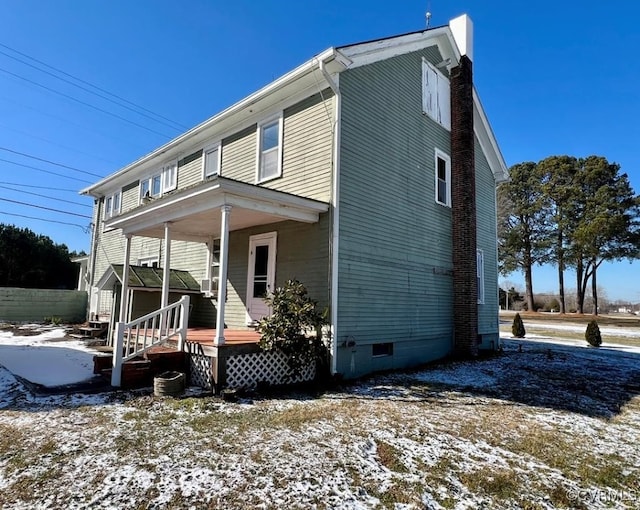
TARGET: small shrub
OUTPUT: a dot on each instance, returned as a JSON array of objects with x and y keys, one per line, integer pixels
[
  {"x": 294, "y": 327},
  {"x": 517, "y": 329},
  {"x": 593, "y": 334},
  {"x": 56, "y": 321}
]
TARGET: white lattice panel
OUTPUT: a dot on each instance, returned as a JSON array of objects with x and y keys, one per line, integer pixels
[{"x": 246, "y": 370}]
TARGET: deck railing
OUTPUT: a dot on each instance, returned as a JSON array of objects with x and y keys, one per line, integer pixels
[{"x": 138, "y": 336}]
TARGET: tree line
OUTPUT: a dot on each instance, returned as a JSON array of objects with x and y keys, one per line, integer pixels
[
  {"x": 31, "y": 260},
  {"x": 570, "y": 212}
]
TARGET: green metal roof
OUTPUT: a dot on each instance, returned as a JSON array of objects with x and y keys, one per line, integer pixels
[{"x": 151, "y": 278}]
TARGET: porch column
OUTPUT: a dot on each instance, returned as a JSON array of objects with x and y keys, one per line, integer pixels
[
  {"x": 124, "y": 295},
  {"x": 222, "y": 276},
  {"x": 166, "y": 266}
]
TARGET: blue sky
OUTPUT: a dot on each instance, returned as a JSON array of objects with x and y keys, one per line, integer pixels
[{"x": 554, "y": 78}]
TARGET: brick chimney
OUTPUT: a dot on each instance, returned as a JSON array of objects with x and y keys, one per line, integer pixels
[{"x": 463, "y": 201}]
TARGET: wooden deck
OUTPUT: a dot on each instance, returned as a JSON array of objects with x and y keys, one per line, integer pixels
[{"x": 205, "y": 336}]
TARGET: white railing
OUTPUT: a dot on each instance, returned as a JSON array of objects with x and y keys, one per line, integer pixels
[{"x": 138, "y": 336}]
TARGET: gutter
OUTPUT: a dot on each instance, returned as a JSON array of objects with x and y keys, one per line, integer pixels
[{"x": 335, "y": 229}]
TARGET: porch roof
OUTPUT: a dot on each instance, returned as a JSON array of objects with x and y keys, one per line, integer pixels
[
  {"x": 194, "y": 213},
  {"x": 148, "y": 278}
]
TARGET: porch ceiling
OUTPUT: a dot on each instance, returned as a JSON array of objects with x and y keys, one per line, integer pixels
[{"x": 194, "y": 213}]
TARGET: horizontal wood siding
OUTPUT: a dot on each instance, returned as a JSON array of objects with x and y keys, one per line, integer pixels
[
  {"x": 486, "y": 229},
  {"x": 130, "y": 196},
  {"x": 239, "y": 156},
  {"x": 395, "y": 282},
  {"x": 307, "y": 148},
  {"x": 190, "y": 170}
]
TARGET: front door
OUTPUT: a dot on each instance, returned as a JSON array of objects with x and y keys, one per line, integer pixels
[{"x": 261, "y": 274}]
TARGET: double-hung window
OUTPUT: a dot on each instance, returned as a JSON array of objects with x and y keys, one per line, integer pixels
[
  {"x": 161, "y": 181},
  {"x": 480, "y": 275},
  {"x": 211, "y": 156},
  {"x": 270, "y": 149},
  {"x": 443, "y": 178},
  {"x": 436, "y": 95},
  {"x": 112, "y": 205}
]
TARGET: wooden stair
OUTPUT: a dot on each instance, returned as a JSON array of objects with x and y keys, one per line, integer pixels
[
  {"x": 140, "y": 371},
  {"x": 94, "y": 329}
]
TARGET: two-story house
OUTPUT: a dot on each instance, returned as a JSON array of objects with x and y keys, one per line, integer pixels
[{"x": 368, "y": 173}]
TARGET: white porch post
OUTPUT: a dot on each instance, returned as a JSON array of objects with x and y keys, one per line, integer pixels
[
  {"x": 124, "y": 296},
  {"x": 222, "y": 276},
  {"x": 166, "y": 266}
]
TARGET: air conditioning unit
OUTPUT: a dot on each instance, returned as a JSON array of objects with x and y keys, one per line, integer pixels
[{"x": 209, "y": 287}]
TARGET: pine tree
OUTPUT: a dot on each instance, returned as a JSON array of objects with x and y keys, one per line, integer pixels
[
  {"x": 517, "y": 329},
  {"x": 593, "y": 334}
]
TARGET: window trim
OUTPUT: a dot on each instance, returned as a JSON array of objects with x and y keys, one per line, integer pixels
[
  {"x": 279, "y": 118},
  {"x": 144, "y": 261},
  {"x": 164, "y": 171},
  {"x": 480, "y": 275},
  {"x": 209, "y": 148},
  {"x": 447, "y": 159},
  {"x": 110, "y": 212}
]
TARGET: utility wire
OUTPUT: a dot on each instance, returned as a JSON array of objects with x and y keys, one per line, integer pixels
[
  {"x": 45, "y": 171},
  {"x": 172, "y": 125},
  {"x": 39, "y": 187},
  {"x": 31, "y": 156},
  {"x": 44, "y": 219},
  {"x": 45, "y": 208},
  {"x": 84, "y": 103},
  {"x": 47, "y": 196},
  {"x": 91, "y": 85}
]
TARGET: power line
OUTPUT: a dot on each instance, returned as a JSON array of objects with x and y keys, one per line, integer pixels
[
  {"x": 38, "y": 187},
  {"x": 84, "y": 103},
  {"x": 172, "y": 125},
  {"x": 44, "y": 219},
  {"x": 45, "y": 208},
  {"x": 6, "y": 149},
  {"x": 45, "y": 171},
  {"x": 90, "y": 84},
  {"x": 47, "y": 196}
]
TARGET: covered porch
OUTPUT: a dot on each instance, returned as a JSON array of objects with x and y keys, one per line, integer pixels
[{"x": 207, "y": 213}]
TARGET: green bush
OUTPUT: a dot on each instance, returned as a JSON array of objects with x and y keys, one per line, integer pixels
[
  {"x": 517, "y": 329},
  {"x": 593, "y": 334},
  {"x": 294, "y": 326}
]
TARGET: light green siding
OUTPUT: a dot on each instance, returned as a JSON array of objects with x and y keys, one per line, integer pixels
[
  {"x": 302, "y": 253},
  {"x": 190, "y": 170},
  {"x": 486, "y": 235},
  {"x": 130, "y": 196},
  {"x": 239, "y": 156},
  {"x": 395, "y": 264}
]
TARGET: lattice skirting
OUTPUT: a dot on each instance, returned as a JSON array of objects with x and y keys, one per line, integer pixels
[
  {"x": 246, "y": 370},
  {"x": 199, "y": 367}
]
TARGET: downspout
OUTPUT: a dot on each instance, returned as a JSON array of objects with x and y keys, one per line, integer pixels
[
  {"x": 94, "y": 254},
  {"x": 335, "y": 229}
]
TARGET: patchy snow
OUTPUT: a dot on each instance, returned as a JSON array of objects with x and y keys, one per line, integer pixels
[
  {"x": 48, "y": 359},
  {"x": 512, "y": 431}
]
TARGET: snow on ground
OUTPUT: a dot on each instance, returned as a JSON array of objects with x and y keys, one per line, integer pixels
[
  {"x": 48, "y": 358},
  {"x": 630, "y": 332},
  {"x": 545, "y": 426}
]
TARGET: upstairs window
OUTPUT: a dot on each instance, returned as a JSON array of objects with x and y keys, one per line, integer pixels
[
  {"x": 443, "y": 178},
  {"x": 169, "y": 176},
  {"x": 151, "y": 187},
  {"x": 480, "y": 275},
  {"x": 211, "y": 156},
  {"x": 161, "y": 181},
  {"x": 112, "y": 205},
  {"x": 270, "y": 149},
  {"x": 436, "y": 95}
]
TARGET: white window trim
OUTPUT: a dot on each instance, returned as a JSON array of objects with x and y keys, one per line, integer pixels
[
  {"x": 447, "y": 159},
  {"x": 441, "y": 110},
  {"x": 208, "y": 148},
  {"x": 149, "y": 178},
  {"x": 480, "y": 275},
  {"x": 112, "y": 211},
  {"x": 148, "y": 261},
  {"x": 269, "y": 120},
  {"x": 169, "y": 183}
]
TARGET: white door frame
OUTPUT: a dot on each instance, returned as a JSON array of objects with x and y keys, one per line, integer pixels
[{"x": 268, "y": 239}]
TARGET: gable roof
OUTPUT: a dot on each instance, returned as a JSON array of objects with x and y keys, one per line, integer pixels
[
  {"x": 148, "y": 278},
  {"x": 308, "y": 79}
]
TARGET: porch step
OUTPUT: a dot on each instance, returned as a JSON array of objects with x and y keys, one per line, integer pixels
[{"x": 93, "y": 330}]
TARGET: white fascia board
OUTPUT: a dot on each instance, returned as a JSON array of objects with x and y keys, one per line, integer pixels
[
  {"x": 375, "y": 51},
  {"x": 488, "y": 141},
  {"x": 172, "y": 148}
]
